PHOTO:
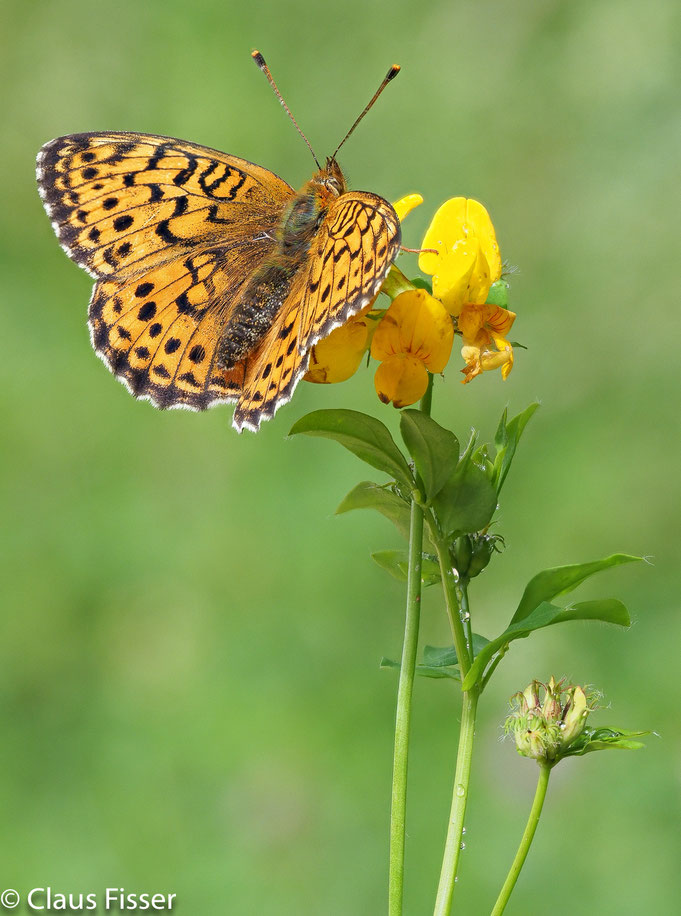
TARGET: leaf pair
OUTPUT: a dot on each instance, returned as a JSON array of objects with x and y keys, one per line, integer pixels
[{"x": 535, "y": 610}]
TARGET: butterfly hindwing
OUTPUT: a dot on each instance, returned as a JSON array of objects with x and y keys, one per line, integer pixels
[
  {"x": 159, "y": 332},
  {"x": 348, "y": 261}
]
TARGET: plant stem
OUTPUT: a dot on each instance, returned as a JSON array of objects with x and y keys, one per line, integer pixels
[
  {"x": 526, "y": 842},
  {"x": 456, "y": 599},
  {"x": 451, "y": 586},
  {"x": 462, "y": 594},
  {"x": 450, "y": 859},
  {"x": 404, "y": 698},
  {"x": 403, "y": 716}
]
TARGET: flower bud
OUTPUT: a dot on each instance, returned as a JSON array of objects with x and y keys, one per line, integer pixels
[{"x": 545, "y": 726}]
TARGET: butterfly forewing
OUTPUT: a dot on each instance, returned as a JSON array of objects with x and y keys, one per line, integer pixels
[
  {"x": 122, "y": 202},
  {"x": 171, "y": 230}
]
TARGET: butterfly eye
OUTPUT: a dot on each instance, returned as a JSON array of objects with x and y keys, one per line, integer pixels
[{"x": 333, "y": 185}]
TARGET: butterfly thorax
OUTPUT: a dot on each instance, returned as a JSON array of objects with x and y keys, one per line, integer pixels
[
  {"x": 270, "y": 285},
  {"x": 303, "y": 216}
]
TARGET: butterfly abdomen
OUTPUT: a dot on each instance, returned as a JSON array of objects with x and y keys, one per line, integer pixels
[{"x": 253, "y": 317}]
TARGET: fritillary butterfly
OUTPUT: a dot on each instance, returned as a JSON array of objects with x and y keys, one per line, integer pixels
[{"x": 213, "y": 277}]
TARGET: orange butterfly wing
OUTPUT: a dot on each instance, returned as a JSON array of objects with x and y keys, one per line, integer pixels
[
  {"x": 347, "y": 263},
  {"x": 172, "y": 231}
]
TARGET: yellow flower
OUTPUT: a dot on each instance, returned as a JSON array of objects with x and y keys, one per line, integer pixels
[
  {"x": 337, "y": 357},
  {"x": 484, "y": 329},
  {"x": 467, "y": 260},
  {"x": 414, "y": 337}
]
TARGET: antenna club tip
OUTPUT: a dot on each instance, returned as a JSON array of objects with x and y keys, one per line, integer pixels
[
  {"x": 258, "y": 58},
  {"x": 394, "y": 70}
]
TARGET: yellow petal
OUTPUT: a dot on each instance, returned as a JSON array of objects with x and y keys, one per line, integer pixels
[
  {"x": 451, "y": 284},
  {"x": 445, "y": 229},
  {"x": 491, "y": 359},
  {"x": 401, "y": 380},
  {"x": 406, "y": 204},
  {"x": 338, "y": 356},
  {"x": 480, "y": 223},
  {"x": 461, "y": 231},
  {"x": 418, "y": 325}
]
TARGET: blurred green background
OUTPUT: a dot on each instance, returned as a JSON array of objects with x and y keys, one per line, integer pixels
[{"x": 190, "y": 694}]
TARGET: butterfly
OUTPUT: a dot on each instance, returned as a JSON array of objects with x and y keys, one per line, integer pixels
[{"x": 213, "y": 277}]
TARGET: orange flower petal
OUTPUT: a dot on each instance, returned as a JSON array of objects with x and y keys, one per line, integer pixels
[
  {"x": 416, "y": 324},
  {"x": 401, "y": 379}
]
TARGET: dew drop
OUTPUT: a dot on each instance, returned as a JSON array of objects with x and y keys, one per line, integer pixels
[
  {"x": 462, "y": 846},
  {"x": 463, "y": 830},
  {"x": 460, "y": 791},
  {"x": 466, "y": 617}
]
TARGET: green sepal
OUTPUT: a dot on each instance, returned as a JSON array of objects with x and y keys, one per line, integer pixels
[
  {"x": 369, "y": 495},
  {"x": 607, "y": 610},
  {"x": 420, "y": 283},
  {"x": 559, "y": 580},
  {"x": 467, "y": 501},
  {"x": 498, "y": 294},
  {"x": 396, "y": 283},
  {"x": 363, "y": 435},
  {"x": 506, "y": 441},
  {"x": 435, "y": 450},
  {"x": 604, "y": 739},
  {"x": 396, "y": 562}
]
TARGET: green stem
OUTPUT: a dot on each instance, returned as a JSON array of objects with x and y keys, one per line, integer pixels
[
  {"x": 456, "y": 599},
  {"x": 462, "y": 594},
  {"x": 452, "y": 590},
  {"x": 526, "y": 842},
  {"x": 450, "y": 859},
  {"x": 404, "y": 697}
]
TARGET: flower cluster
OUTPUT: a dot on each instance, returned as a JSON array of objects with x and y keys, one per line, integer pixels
[
  {"x": 414, "y": 336},
  {"x": 545, "y": 726}
]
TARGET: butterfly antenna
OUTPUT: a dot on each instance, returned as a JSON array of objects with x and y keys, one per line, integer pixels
[
  {"x": 260, "y": 61},
  {"x": 390, "y": 75}
]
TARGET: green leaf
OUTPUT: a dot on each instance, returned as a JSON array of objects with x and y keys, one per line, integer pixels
[
  {"x": 425, "y": 670},
  {"x": 396, "y": 562},
  {"x": 506, "y": 440},
  {"x": 436, "y": 656},
  {"x": 363, "y": 435},
  {"x": 468, "y": 499},
  {"x": 608, "y": 610},
  {"x": 549, "y": 583},
  {"x": 604, "y": 739},
  {"x": 368, "y": 495},
  {"x": 435, "y": 450}
]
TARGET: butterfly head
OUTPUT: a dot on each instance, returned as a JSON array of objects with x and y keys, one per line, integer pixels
[{"x": 331, "y": 178}]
